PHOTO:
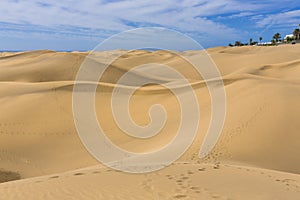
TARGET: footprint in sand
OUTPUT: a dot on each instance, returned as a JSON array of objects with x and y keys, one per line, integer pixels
[
  {"x": 170, "y": 177},
  {"x": 201, "y": 169},
  {"x": 180, "y": 196},
  {"x": 78, "y": 174},
  {"x": 53, "y": 177},
  {"x": 148, "y": 184},
  {"x": 195, "y": 189}
]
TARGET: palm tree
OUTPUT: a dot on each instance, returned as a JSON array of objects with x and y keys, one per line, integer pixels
[
  {"x": 260, "y": 39},
  {"x": 273, "y": 42},
  {"x": 296, "y": 33},
  {"x": 238, "y": 43},
  {"x": 277, "y": 36}
]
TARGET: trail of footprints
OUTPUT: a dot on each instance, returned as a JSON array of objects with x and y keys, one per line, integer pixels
[
  {"x": 21, "y": 128},
  {"x": 72, "y": 175},
  {"x": 229, "y": 133},
  {"x": 185, "y": 187},
  {"x": 148, "y": 183},
  {"x": 290, "y": 184}
]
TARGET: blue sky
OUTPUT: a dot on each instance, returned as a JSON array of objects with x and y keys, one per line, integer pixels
[{"x": 81, "y": 25}]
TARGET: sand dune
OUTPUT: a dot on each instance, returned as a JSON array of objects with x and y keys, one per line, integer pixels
[
  {"x": 257, "y": 156},
  {"x": 179, "y": 181}
]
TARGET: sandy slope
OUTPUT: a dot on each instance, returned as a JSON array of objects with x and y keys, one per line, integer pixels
[
  {"x": 257, "y": 156},
  {"x": 178, "y": 181}
]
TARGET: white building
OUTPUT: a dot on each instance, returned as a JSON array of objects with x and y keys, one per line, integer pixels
[
  {"x": 264, "y": 43},
  {"x": 289, "y": 35}
]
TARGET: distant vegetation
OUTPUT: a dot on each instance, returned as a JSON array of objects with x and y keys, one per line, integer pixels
[
  {"x": 276, "y": 39},
  {"x": 296, "y": 34}
]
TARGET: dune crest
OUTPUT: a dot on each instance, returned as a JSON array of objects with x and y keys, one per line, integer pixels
[{"x": 259, "y": 146}]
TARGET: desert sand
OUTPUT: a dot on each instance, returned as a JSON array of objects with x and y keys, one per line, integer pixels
[{"x": 256, "y": 157}]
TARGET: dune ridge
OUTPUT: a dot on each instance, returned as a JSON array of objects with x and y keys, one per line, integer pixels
[{"x": 257, "y": 156}]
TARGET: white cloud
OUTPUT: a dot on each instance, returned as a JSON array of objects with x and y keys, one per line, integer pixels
[
  {"x": 105, "y": 15},
  {"x": 284, "y": 19}
]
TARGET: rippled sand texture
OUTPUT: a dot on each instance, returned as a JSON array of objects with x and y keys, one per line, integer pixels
[{"x": 256, "y": 157}]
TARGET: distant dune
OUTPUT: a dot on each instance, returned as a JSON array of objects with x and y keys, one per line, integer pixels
[{"x": 256, "y": 157}]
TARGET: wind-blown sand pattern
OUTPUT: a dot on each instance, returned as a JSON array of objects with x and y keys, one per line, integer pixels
[{"x": 256, "y": 157}]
